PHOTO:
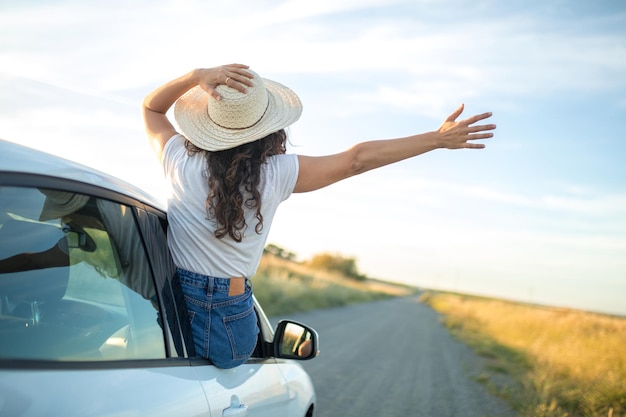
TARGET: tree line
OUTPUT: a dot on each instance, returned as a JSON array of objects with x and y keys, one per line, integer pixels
[{"x": 333, "y": 262}]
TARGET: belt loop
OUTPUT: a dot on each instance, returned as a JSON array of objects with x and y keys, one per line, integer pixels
[{"x": 210, "y": 285}]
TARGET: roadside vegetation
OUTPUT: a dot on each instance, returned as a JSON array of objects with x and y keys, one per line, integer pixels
[
  {"x": 545, "y": 361},
  {"x": 285, "y": 286}
]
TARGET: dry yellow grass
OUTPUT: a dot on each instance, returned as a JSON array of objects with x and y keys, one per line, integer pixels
[
  {"x": 324, "y": 278},
  {"x": 574, "y": 362}
]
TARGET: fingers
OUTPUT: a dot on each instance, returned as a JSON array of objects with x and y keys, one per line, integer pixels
[
  {"x": 242, "y": 66},
  {"x": 476, "y": 118},
  {"x": 480, "y": 131},
  {"x": 472, "y": 133},
  {"x": 470, "y": 136},
  {"x": 239, "y": 73},
  {"x": 238, "y": 81},
  {"x": 479, "y": 136},
  {"x": 235, "y": 76},
  {"x": 480, "y": 128},
  {"x": 474, "y": 146},
  {"x": 456, "y": 113}
]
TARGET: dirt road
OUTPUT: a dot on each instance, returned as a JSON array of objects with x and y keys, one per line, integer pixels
[{"x": 394, "y": 358}]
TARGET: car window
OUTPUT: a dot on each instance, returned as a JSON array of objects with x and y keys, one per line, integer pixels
[{"x": 75, "y": 283}]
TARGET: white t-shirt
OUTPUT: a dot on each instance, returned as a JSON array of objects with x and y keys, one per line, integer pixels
[{"x": 191, "y": 237}]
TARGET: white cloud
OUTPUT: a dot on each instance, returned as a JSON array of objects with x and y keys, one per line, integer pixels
[{"x": 144, "y": 42}]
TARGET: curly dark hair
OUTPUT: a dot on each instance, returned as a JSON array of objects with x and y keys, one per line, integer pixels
[{"x": 233, "y": 178}]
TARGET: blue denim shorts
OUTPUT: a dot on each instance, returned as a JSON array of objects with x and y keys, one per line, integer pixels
[{"x": 224, "y": 328}]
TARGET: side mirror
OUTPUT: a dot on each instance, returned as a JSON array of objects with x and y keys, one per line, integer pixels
[{"x": 295, "y": 341}]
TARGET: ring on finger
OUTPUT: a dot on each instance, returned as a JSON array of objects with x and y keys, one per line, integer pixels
[{"x": 226, "y": 81}]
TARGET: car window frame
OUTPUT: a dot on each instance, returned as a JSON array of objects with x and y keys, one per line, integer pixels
[{"x": 171, "y": 338}]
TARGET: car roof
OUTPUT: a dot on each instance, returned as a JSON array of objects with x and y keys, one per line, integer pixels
[{"x": 20, "y": 159}]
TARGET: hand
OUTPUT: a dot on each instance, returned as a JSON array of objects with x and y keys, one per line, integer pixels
[
  {"x": 455, "y": 135},
  {"x": 233, "y": 75}
]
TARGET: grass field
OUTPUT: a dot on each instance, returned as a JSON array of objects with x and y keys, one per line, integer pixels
[
  {"x": 544, "y": 361},
  {"x": 286, "y": 287}
]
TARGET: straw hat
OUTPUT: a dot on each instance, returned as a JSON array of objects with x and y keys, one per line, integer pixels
[
  {"x": 61, "y": 203},
  {"x": 237, "y": 118}
]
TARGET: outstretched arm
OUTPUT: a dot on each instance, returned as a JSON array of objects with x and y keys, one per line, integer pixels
[
  {"x": 318, "y": 172},
  {"x": 157, "y": 103}
]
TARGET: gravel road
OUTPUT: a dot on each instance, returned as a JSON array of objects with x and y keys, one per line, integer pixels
[{"x": 394, "y": 358}]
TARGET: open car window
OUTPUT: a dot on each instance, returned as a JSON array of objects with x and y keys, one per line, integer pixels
[{"x": 75, "y": 283}]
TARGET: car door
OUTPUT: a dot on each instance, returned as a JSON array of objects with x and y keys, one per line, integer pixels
[
  {"x": 256, "y": 387},
  {"x": 271, "y": 383},
  {"x": 85, "y": 329}
]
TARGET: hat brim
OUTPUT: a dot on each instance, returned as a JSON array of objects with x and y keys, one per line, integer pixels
[
  {"x": 284, "y": 108},
  {"x": 61, "y": 203}
]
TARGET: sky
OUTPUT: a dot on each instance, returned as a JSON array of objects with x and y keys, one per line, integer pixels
[{"x": 537, "y": 216}]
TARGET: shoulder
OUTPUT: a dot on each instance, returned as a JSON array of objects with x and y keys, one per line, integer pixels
[
  {"x": 282, "y": 172},
  {"x": 284, "y": 163},
  {"x": 174, "y": 153},
  {"x": 175, "y": 142},
  {"x": 174, "y": 146}
]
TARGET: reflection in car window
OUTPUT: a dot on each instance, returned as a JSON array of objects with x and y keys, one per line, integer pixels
[{"x": 75, "y": 284}]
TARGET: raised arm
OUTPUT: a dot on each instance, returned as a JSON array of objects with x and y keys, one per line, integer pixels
[
  {"x": 157, "y": 103},
  {"x": 318, "y": 172}
]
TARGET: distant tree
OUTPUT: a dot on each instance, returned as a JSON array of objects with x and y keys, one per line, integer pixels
[
  {"x": 274, "y": 250},
  {"x": 337, "y": 263},
  {"x": 279, "y": 252}
]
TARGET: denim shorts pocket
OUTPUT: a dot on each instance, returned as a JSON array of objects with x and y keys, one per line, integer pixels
[{"x": 242, "y": 332}]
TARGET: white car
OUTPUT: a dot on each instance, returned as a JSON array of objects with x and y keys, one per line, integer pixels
[{"x": 92, "y": 318}]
